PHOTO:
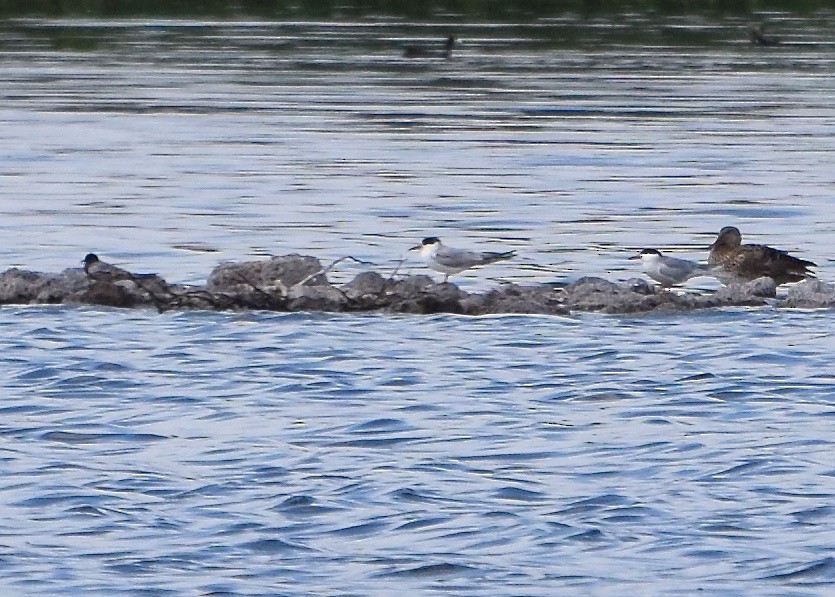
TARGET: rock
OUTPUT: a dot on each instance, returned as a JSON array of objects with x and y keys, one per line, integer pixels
[
  {"x": 19, "y": 286},
  {"x": 198, "y": 298},
  {"x": 366, "y": 284},
  {"x": 63, "y": 287},
  {"x": 366, "y": 292},
  {"x": 511, "y": 298},
  {"x": 810, "y": 294},
  {"x": 597, "y": 294},
  {"x": 751, "y": 293},
  {"x": 275, "y": 284},
  {"x": 421, "y": 295},
  {"x": 640, "y": 286},
  {"x": 322, "y": 297},
  {"x": 22, "y": 286},
  {"x": 108, "y": 295},
  {"x": 276, "y": 273},
  {"x": 412, "y": 285}
]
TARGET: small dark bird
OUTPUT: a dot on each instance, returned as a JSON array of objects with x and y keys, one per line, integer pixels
[
  {"x": 448, "y": 261},
  {"x": 748, "y": 262},
  {"x": 99, "y": 271},
  {"x": 756, "y": 33},
  {"x": 421, "y": 52}
]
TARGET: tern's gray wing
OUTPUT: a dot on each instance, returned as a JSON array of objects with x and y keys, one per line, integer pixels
[
  {"x": 678, "y": 269},
  {"x": 449, "y": 257}
]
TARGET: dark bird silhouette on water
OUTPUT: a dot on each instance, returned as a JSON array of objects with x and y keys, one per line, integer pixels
[
  {"x": 422, "y": 52},
  {"x": 756, "y": 33}
]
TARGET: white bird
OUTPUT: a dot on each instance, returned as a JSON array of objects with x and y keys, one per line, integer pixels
[
  {"x": 448, "y": 261},
  {"x": 669, "y": 271}
]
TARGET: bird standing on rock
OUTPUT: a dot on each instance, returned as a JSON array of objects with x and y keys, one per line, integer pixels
[
  {"x": 740, "y": 262},
  {"x": 669, "y": 271},
  {"x": 99, "y": 271},
  {"x": 448, "y": 260}
]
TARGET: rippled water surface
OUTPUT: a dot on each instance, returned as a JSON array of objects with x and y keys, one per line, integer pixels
[{"x": 263, "y": 454}]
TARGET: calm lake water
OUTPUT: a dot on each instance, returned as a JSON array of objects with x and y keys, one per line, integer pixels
[{"x": 312, "y": 454}]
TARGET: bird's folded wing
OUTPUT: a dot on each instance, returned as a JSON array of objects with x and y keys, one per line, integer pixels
[
  {"x": 458, "y": 258},
  {"x": 678, "y": 270}
]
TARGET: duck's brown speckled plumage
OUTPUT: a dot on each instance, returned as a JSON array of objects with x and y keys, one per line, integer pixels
[{"x": 748, "y": 262}]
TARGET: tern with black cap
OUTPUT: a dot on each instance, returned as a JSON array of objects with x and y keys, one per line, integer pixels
[{"x": 449, "y": 261}]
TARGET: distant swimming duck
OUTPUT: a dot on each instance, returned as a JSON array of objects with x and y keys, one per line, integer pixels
[
  {"x": 421, "y": 52},
  {"x": 747, "y": 262},
  {"x": 756, "y": 34},
  {"x": 669, "y": 271}
]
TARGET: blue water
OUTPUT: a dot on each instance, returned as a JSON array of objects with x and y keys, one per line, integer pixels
[
  {"x": 319, "y": 454},
  {"x": 255, "y": 453}
]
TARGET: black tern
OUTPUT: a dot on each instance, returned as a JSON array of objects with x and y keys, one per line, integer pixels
[
  {"x": 99, "y": 271},
  {"x": 747, "y": 262},
  {"x": 448, "y": 261},
  {"x": 669, "y": 271}
]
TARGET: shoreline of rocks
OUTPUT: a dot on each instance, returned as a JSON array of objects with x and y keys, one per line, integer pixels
[{"x": 299, "y": 283}]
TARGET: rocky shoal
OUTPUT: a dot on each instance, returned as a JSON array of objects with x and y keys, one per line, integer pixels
[{"x": 299, "y": 283}]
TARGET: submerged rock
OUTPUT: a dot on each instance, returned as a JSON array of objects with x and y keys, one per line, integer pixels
[{"x": 299, "y": 283}]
